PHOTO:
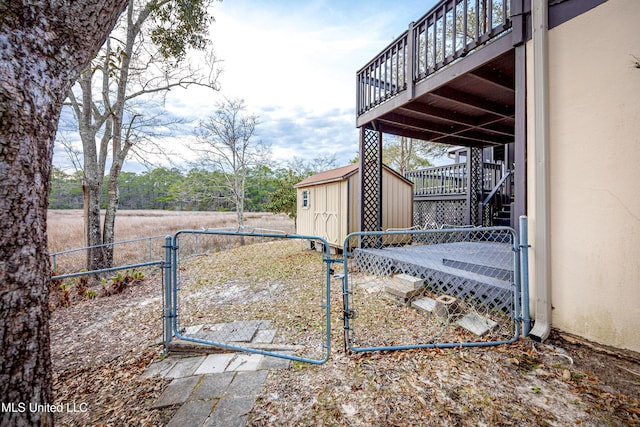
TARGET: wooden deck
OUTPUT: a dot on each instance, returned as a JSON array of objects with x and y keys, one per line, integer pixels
[{"x": 479, "y": 271}]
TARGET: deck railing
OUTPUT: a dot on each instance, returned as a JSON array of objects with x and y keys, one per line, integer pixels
[
  {"x": 446, "y": 33},
  {"x": 440, "y": 180},
  {"x": 451, "y": 180}
]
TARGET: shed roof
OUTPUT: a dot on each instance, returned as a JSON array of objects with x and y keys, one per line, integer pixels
[
  {"x": 340, "y": 174},
  {"x": 332, "y": 175}
]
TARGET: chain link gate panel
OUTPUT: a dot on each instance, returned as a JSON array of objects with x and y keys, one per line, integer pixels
[
  {"x": 432, "y": 288},
  {"x": 260, "y": 293}
]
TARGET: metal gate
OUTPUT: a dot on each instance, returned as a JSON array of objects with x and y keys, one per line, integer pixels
[
  {"x": 259, "y": 292},
  {"x": 270, "y": 293},
  {"x": 432, "y": 288}
]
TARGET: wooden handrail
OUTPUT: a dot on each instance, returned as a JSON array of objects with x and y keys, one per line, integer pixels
[
  {"x": 496, "y": 188},
  {"x": 450, "y": 30}
]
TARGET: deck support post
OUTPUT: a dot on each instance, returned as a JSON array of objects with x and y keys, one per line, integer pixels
[
  {"x": 370, "y": 184},
  {"x": 474, "y": 185}
]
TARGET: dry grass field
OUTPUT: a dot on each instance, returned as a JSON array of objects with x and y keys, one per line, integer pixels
[{"x": 65, "y": 229}]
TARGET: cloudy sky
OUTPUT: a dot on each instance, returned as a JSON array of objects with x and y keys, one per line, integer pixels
[{"x": 294, "y": 63}]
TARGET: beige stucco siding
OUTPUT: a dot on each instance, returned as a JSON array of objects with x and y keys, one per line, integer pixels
[{"x": 594, "y": 173}]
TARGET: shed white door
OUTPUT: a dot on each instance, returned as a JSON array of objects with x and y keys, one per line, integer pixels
[{"x": 326, "y": 221}]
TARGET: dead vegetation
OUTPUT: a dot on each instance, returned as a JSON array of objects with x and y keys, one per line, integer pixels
[
  {"x": 65, "y": 231},
  {"x": 101, "y": 346}
]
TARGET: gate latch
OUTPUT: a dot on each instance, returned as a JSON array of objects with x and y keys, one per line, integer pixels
[{"x": 350, "y": 314}]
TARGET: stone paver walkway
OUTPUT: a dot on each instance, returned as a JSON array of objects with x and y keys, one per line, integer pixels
[{"x": 214, "y": 390}]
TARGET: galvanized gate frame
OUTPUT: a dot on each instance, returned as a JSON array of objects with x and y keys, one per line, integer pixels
[
  {"x": 520, "y": 288},
  {"x": 171, "y": 287},
  {"x": 170, "y": 284}
]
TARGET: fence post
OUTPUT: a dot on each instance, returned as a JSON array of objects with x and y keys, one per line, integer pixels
[
  {"x": 524, "y": 274},
  {"x": 168, "y": 305}
]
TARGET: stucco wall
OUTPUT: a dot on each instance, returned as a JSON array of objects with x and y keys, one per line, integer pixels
[{"x": 594, "y": 173}]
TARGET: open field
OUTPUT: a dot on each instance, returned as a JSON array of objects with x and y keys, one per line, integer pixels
[{"x": 66, "y": 231}]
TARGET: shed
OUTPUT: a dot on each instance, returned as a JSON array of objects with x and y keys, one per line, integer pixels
[{"x": 328, "y": 203}]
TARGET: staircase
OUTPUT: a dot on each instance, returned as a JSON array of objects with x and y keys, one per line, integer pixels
[
  {"x": 495, "y": 210},
  {"x": 503, "y": 216}
]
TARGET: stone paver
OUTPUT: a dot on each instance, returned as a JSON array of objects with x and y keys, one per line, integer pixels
[
  {"x": 269, "y": 362},
  {"x": 192, "y": 413},
  {"x": 219, "y": 389},
  {"x": 264, "y": 336},
  {"x": 231, "y": 332},
  {"x": 177, "y": 392},
  {"x": 185, "y": 367},
  {"x": 161, "y": 367},
  {"x": 477, "y": 324},
  {"x": 215, "y": 363},
  {"x": 231, "y": 412},
  {"x": 213, "y": 385},
  {"x": 245, "y": 362},
  {"x": 247, "y": 383}
]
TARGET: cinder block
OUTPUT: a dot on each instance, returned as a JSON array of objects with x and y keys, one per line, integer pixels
[
  {"x": 445, "y": 305},
  {"x": 415, "y": 282},
  {"x": 402, "y": 291},
  {"x": 424, "y": 305},
  {"x": 476, "y": 324}
]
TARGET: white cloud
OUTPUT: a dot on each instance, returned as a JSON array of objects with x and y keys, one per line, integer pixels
[{"x": 294, "y": 63}]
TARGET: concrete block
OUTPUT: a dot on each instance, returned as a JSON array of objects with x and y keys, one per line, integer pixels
[
  {"x": 425, "y": 305},
  {"x": 476, "y": 324},
  {"x": 415, "y": 282},
  {"x": 445, "y": 305},
  {"x": 401, "y": 290}
]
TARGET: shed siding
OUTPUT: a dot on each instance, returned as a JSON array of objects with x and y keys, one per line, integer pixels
[
  {"x": 334, "y": 207},
  {"x": 397, "y": 198}
]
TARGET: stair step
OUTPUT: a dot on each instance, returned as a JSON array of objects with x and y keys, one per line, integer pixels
[{"x": 502, "y": 222}]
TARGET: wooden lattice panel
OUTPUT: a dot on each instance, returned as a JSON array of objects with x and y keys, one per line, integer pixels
[
  {"x": 475, "y": 189},
  {"x": 371, "y": 184},
  {"x": 437, "y": 213}
]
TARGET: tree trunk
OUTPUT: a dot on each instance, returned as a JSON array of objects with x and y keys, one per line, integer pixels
[
  {"x": 113, "y": 198},
  {"x": 41, "y": 53},
  {"x": 25, "y": 166},
  {"x": 92, "y": 194}
]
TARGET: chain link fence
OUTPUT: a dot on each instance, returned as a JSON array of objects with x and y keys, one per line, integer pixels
[
  {"x": 261, "y": 292},
  {"x": 431, "y": 288},
  {"x": 143, "y": 252}
]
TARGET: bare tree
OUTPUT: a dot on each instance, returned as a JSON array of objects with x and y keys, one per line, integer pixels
[
  {"x": 119, "y": 98},
  {"x": 43, "y": 47},
  {"x": 225, "y": 142},
  {"x": 405, "y": 154}
]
